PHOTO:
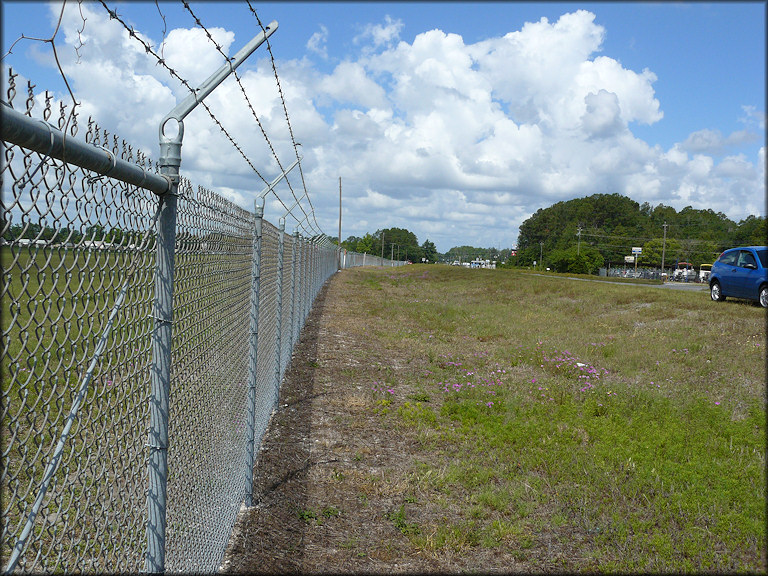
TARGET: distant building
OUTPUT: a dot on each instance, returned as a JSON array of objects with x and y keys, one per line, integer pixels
[
  {"x": 96, "y": 244},
  {"x": 478, "y": 263}
]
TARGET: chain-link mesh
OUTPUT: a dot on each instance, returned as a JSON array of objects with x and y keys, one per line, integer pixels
[
  {"x": 355, "y": 259},
  {"x": 72, "y": 243},
  {"x": 78, "y": 258},
  {"x": 209, "y": 374}
]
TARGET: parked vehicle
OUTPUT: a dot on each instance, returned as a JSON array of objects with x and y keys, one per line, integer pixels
[
  {"x": 684, "y": 272},
  {"x": 704, "y": 271},
  {"x": 741, "y": 273}
]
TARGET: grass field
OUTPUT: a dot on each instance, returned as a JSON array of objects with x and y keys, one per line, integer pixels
[{"x": 623, "y": 424}]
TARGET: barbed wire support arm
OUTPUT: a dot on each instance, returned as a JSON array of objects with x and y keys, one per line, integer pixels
[{"x": 171, "y": 134}]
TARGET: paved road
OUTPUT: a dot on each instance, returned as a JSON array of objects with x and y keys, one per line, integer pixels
[
  {"x": 685, "y": 286},
  {"x": 690, "y": 286}
]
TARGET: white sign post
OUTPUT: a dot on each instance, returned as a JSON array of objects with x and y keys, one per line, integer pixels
[{"x": 636, "y": 251}]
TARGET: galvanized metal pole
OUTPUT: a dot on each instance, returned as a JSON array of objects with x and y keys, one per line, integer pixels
[
  {"x": 300, "y": 289},
  {"x": 41, "y": 137},
  {"x": 160, "y": 373},
  {"x": 339, "y": 222},
  {"x": 253, "y": 348},
  {"x": 294, "y": 253},
  {"x": 663, "y": 251},
  {"x": 308, "y": 290},
  {"x": 279, "y": 319}
]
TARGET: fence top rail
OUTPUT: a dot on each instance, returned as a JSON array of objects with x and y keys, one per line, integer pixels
[{"x": 40, "y": 136}]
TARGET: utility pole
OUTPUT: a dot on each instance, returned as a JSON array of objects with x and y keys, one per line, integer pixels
[
  {"x": 578, "y": 246},
  {"x": 339, "y": 223},
  {"x": 382, "y": 244},
  {"x": 541, "y": 254},
  {"x": 663, "y": 249}
]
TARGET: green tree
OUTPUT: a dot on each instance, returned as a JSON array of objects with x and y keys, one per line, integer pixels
[
  {"x": 429, "y": 251},
  {"x": 351, "y": 243},
  {"x": 396, "y": 239},
  {"x": 752, "y": 231},
  {"x": 653, "y": 250},
  {"x": 574, "y": 260},
  {"x": 365, "y": 244},
  {"x": 613, "y": 223}
]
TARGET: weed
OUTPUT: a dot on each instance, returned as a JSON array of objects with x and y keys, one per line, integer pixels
[
  {"x": 416, "y": 414},
  {"x": 398, "y": 517},
  {"x": 307, "y": 515},
  {"x": 331, "y": 511}
]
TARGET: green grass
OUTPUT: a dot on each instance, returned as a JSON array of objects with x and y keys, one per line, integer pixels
[{"x": 630, "y": 418}]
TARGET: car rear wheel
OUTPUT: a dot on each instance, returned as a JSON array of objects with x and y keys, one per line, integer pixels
[
  {"x": 717, "y": 294},
  {"x": 764, "y": 296}
]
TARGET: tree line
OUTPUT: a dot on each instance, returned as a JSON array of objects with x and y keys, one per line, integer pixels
[
  {"x": 584, "y": 234},
  {"x": 392, "y": 243},
  {"x": 577, "y": 236}
]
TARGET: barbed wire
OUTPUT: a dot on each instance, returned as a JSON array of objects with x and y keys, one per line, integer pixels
[
  {"x": 68, "y": 125},
  {"x": 308, "y": 218},
  {"x": 132, "y": 33},
  {"x": 285, "y": 109},
  {"x": 161, "y": 61},
  {"x": 250, "y": 107},
  {"x": 165, "y": 29},
  {"x": 52, "y": 42}
]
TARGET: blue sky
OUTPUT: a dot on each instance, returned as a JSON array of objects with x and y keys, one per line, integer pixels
[{"x": 454, "y": 120}]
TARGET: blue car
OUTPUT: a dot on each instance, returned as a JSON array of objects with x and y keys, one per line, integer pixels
[{"x": 741, "y": 273}]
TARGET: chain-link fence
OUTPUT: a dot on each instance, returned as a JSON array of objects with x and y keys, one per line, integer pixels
[{"x": 80, "y": 266}]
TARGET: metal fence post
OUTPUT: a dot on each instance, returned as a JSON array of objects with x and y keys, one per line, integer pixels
[
  {"x": 308, "y": 284},
  {"x": 300, "y": 289},
  {"x": 170, "y": 160},
  {"x": 253, "y": 349},
  {"x": 315, "y": 269},
  {"x": 294, "y": 252},
  {"x": 279, "y": 319},
  {"x": 160, "y": 373}
]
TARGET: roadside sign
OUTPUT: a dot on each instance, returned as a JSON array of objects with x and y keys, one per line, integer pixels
[
  {"x": 629, "y": 259},
  {"x": 637, "y": 250}
]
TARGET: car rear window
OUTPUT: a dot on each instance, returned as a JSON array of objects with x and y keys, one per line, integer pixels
[{"x": 763, "y": 255}]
